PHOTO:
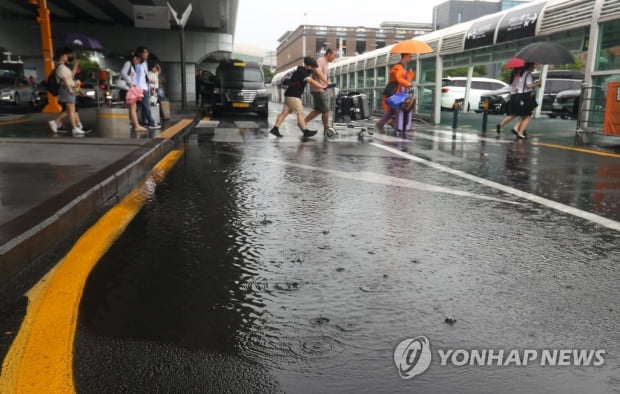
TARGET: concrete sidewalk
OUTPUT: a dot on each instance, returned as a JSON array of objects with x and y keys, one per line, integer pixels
[{"x": 52, "y": 185}]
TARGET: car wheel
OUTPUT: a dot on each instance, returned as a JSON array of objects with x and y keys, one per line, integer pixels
[{"x": 552, "y": 116}]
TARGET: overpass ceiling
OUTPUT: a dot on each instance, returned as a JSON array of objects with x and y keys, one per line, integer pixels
[{"x": 217, "y": 16}]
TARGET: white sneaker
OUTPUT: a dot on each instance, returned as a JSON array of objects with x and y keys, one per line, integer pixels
[
  {"x": 53, "y": 126},
  {"x": 77, "y": 132}
]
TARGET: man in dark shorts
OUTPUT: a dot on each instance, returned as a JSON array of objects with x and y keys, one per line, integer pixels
[{"x": 320, "y": 97}]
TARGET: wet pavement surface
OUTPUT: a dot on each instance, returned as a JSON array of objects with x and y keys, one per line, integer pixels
[
  {"x": 302, "y": 264},
  {"x": 267, "y": 265}
]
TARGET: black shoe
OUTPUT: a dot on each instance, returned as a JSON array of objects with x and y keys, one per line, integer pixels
[
  {"x": 498, "y": 128},
  {"x": 275, "y": 132},
  {"x": 521, "y": 137},
  {"x": 513, "y": 131},
  {"x": 525, "y": 133},
  {"x": 309, "y": 133}
]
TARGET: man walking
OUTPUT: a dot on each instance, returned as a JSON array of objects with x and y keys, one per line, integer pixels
[
  {"x": 292, "y": 97},
  {"x": 320, "y": 97},
  {"x": 142, "y": 81}
]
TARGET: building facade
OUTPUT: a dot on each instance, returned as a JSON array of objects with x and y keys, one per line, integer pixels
[{"x": 312, "y": 40}]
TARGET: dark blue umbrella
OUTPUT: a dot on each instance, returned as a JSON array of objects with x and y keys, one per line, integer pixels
[{"x": 80, "y": 41}]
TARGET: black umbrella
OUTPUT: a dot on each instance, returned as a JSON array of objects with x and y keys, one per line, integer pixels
[{"x": 546, "y": 52}]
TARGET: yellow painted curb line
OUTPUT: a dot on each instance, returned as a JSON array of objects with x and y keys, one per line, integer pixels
[
  {"x": 40, "y": 359},
  {"x": 582, "y": 150},
  {"x": 174, "y": 129},
  {"x": 14, "y": 121},
  {"x": 116, "y": 116}
]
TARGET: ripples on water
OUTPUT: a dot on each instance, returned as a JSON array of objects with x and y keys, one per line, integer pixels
[{"x": 318, "y": 278}]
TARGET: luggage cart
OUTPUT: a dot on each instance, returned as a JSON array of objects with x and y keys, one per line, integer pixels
[{"x": 349, "y": 125}]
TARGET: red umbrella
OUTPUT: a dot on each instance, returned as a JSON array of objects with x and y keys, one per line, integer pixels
[{"x": 515, "y": 62}]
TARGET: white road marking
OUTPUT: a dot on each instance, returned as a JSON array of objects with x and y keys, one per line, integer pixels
[
  {"x": 372, "y": 177},
  {"x": 594, "y": 218}
]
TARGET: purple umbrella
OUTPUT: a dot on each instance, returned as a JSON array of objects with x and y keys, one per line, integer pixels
[{"x": 81, "y": 41}]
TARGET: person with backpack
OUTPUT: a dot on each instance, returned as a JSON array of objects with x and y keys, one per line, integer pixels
[
  {"x": 67, "y": 91},
  {"x": 292, "y": 97}
]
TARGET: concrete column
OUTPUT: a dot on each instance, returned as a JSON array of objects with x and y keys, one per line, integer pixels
[{"x": 173, "y": 81}]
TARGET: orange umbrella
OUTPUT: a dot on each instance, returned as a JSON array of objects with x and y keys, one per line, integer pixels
[{"x": 411, "y": 46}]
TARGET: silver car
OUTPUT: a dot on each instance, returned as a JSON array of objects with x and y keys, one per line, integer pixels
[{"x": 17, "y": 90}]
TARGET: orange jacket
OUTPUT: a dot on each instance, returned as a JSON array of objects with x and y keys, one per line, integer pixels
[{"x": 402, "y": 77}]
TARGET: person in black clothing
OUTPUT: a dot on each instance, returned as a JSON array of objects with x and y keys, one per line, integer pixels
[{"x": 292, "y": 97}]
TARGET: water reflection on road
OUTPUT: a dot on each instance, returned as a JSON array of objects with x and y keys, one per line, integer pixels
[{"x": 306, "y": 263}]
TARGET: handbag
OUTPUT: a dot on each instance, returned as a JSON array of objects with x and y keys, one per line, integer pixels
[
  {"x": 121, "y": 84},
  {"x": 527, "y": 100},
  {"x": 390, "y": 89},
  {"x": 395, "y": 100},
  {"x": 408, "y": 104}
]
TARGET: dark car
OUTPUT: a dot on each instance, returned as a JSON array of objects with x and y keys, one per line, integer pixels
[
  {"x": 556, "y": 82},
  {"x": 554, "y": 86},
  {"x": 566, "y": 104},
  {"x": 240, "y": 87},
  {"x": 206, "y": 87},
  {"x": 497, "y": 99}
]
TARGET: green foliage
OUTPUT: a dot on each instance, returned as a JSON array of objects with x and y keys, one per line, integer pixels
[
  {"x": 88, "y": 68},
  {"x": 479, "y": 71}
]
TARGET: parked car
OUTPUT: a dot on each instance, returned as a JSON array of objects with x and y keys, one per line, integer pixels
[
  {"x": 553, "y": 87},
  {"x": 240, "y": 87},
  {"x": 556, "y": 82},
  {"x": 498, "y": 100},
  {"x": 566, "y": 104},
  {"x": 16, "y": 90},
  {"x": 88, "y": 94},
  {"x": 453, "y": 88}
]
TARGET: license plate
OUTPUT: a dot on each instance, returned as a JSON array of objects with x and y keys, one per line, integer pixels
[{"x": 241, "y": 105}]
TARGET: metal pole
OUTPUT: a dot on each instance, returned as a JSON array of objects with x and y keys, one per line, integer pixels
[
  {"x": 485, "y": 116},
  {"x": 52, "y": 106},
  {"x": 455, "y": 114},
  {"x": 183, "y": 76}
]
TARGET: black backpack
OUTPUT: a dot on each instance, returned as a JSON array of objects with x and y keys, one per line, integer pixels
[{"x": 52, "y": 85}]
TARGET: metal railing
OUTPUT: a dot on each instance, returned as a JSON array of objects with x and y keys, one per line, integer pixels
[{"x": 591, "y": 114}]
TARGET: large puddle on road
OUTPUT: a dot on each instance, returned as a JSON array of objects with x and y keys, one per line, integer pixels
[{"x": 318, "y": 278}]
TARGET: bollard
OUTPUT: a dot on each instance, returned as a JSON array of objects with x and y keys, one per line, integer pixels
[
  {"x": 455, "y": 113},
  {"x": 485, "y": 115},
  {"x": 113, "y": 122}
]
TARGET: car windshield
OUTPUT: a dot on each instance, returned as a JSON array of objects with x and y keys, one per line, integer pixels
[
  {"x": 243, "y": 74},
  {"x": 557, "y": 85}
]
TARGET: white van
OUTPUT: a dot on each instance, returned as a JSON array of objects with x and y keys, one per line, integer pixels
[{"x": 453, "y": 88}]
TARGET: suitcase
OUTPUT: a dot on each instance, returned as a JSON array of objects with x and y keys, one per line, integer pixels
[
  {"x": 155, "y": 112},
  {"x": 344, "y": 105},
  {"x": 402, "y": 120},
  {"x": 360, "y": 102},
  {"x": 351, "y": 106}
]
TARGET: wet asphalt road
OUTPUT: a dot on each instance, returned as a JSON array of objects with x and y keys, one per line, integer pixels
[{"x": 265, "y": 265}]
